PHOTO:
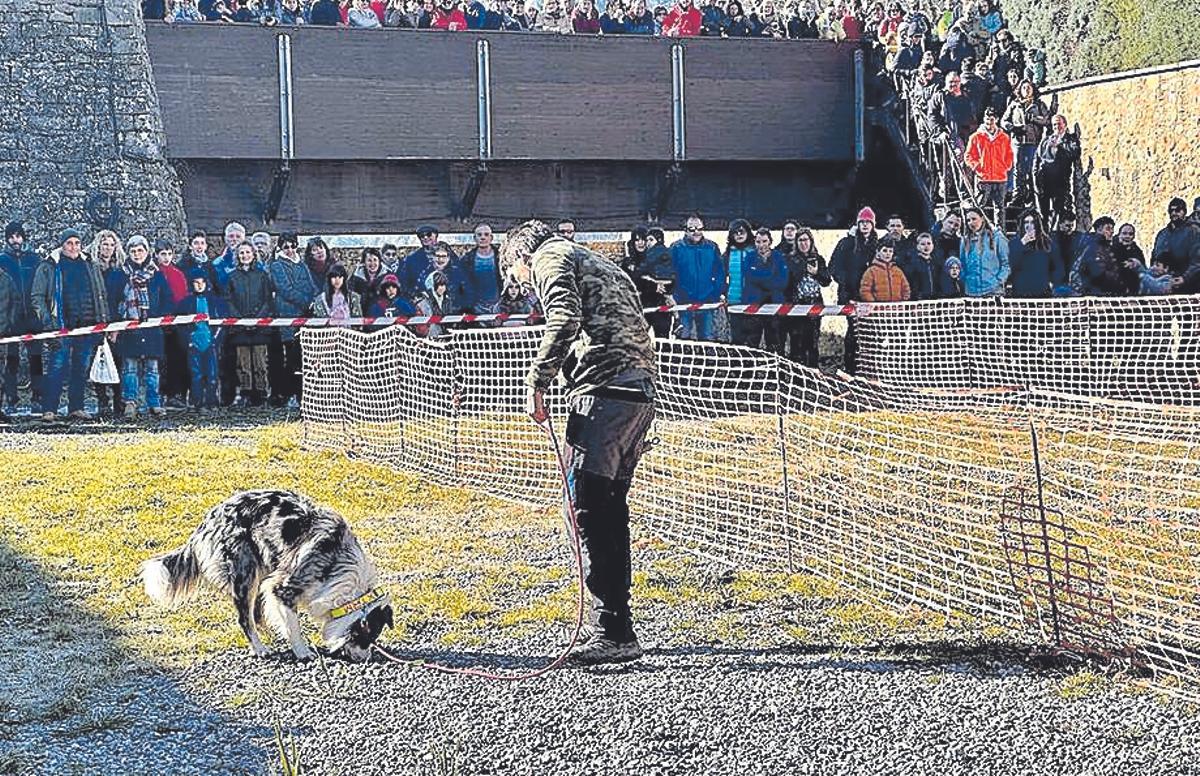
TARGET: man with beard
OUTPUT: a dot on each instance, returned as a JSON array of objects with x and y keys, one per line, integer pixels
[
  {"x": 20, "y": 264},
  {"x": 1178, "y": 245},
  {"x": 596, "y": 337}
]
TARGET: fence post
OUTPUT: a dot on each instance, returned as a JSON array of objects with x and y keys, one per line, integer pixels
[{"x": 783, "y": 457}]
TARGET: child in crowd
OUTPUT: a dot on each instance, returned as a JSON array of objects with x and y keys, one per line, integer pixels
[
  {"x": 950, "y": 282},
  {"x": 391, "y": 303},
  {"x": 884, "y": 281},
  {"x": 337, "y": 302},
  {"x": 202, "y": 340},
  {"x": 1157, "y": 279}
]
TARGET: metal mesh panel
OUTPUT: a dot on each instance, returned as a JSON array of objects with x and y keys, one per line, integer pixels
[{"x": 964, "y": 484}]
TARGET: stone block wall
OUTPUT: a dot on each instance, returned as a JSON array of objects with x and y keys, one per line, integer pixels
[
  {"x": 1141, "y": 146},
  {"x": 81, "y": 136}
]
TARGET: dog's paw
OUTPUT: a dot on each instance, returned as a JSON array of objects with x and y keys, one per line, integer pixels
[
  {"x": 258, "y": 650},
  {"x": 303, "y": 653}
]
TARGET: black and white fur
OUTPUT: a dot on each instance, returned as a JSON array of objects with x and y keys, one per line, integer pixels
[{"x": 276, "y": 553}]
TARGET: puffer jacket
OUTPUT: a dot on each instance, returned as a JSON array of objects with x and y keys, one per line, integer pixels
[
  {"x": 294, "y": 289},
  {"x": 250, "y": 297},
  {"x": 45, "y": 305},
  {"x": 985, "y": 266},
  {"x": 21, "y": 266},
  {"x": 884, "y": 282}
]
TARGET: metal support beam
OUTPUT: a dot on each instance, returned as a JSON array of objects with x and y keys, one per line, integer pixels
[
  {"x": 484, "y": 83},
  {"x": 678, "y": 106},
  {"x": 466, "y": 203},
  {"x": 860, "y": 108},
  {"x": 287, "y": 137}
]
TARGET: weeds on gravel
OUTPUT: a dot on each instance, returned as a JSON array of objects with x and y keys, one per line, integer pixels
[
  {"x": 289, "y": 752},
  {"x": 1083, "y": 684}
]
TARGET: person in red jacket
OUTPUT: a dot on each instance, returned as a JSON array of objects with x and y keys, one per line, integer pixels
[
  {"x": 175, "y": 379},
  {"x": 448, "y": 16},
  {"x": 989, "y": 155},
  {"x": 884, "y": 281},
  {"x": 682, "y": 21}
]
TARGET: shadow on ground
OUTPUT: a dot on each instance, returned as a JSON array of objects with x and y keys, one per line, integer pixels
[{"x": 76, "y": 702}]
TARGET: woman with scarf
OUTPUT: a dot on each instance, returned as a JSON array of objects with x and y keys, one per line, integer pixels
[
  {"x": 109, "y": 257},
  {"x": 145, "y": 295},
  {"x": 808, "y": 273}
]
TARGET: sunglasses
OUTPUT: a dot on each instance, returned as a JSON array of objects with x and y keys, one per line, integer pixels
[{"x": 694, "y": 229}]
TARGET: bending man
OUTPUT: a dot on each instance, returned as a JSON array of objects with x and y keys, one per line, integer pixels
[{"x": 597, "y": 338}]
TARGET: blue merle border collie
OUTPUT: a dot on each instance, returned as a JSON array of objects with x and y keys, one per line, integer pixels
[{"x": 276, "y": 553}]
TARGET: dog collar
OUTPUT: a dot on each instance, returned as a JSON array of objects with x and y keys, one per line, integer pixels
[{"x": 360, "y": 604}]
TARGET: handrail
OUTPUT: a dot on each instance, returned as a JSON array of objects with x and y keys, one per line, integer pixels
[{"x": 1122, "y": 75}]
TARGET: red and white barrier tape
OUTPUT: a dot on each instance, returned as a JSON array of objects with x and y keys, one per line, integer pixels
[{"x": 788, "y": 310}]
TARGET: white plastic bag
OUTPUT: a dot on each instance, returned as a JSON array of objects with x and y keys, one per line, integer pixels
[{"x": 104, "y": 367}]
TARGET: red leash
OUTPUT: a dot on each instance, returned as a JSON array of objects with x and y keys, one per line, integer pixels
[{"x": 573, "y": 524}]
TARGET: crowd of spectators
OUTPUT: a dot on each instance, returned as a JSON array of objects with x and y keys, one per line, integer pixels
[
  {"x": 854, "y": 20},
  {"x": 257, "y": 276}
]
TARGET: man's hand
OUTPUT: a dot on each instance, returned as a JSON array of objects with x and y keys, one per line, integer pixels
[{"x": 535, "y": 405}]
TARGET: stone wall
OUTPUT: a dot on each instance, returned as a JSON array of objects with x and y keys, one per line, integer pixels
[
  {"x": 81, "y": 137},
  {"x": 1140, "y": 145}
]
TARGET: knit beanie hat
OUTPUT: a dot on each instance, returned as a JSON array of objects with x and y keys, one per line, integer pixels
[
  {"x": 866, "y": 214},
  {"x": 1177, "y": 204},
  {"x": 67, "y": 234},
  {"x": 197, "y": 273},
  {"x": 15, "y": 227},
  {"x": 953, "y": 263}
]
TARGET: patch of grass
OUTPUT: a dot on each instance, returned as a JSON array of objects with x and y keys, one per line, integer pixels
[
  {"x": 1083, "y": 684},
  {"x": 242, "y": 699},
  {"x": 94, "y": 723}
]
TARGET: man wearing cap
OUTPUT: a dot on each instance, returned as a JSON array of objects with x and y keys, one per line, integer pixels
[
  {"x": 19, "y": 264},
  {"x": 1177, "y": 245},
  {"x": 849, "y": 261},
  {"x": 294, "y": 291},
  {"x": 68, "y": 292},
  {"x": 596, "y": 337},
  {"x": 989, "y": 155},
  {"x": 417, "y": 263}
]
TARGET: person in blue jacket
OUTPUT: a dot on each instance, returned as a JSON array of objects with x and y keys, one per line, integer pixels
[
  {"x": 765, "y": 282},
  {"x": 699, "y": 279},
  {"x": 20, "y": 264},
  {"x": 203, "y": 339}
]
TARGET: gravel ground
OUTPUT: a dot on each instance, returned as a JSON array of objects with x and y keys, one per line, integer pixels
[
  {"x": 686, "y": 708},
  {"x": 736, "y": 680}
]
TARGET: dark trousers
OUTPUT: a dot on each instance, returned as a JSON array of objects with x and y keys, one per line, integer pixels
[
  {"x": 275, "y": 366},
  {"x": 605, "y": 437},
  {"x": 70, "y": 359},
  {"x": 289, "y": 370},
  {"x": 803, "y": 341},
  {"x": 764, "y": 329},
  {"x": 851, "y": 345},
  {"x": 227, "y": 372},
  {"x": 12, "y": 367},
  {"x": 202, "y": 366},
  {"x": 1054, "y": 196},
  {"x": 174, "y": 378},
  {"x": 661, "y": 323}
]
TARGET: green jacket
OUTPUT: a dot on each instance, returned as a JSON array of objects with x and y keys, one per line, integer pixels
[
  {"x": 595, "y": 333},
  {"x": 42, "y": 291}
]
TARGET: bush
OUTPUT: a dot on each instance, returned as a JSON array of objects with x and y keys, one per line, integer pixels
[{"x": 1091, "y": 37}]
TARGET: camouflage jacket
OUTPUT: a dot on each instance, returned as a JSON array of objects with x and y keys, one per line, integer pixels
[{"x": 595, "y": 332}]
